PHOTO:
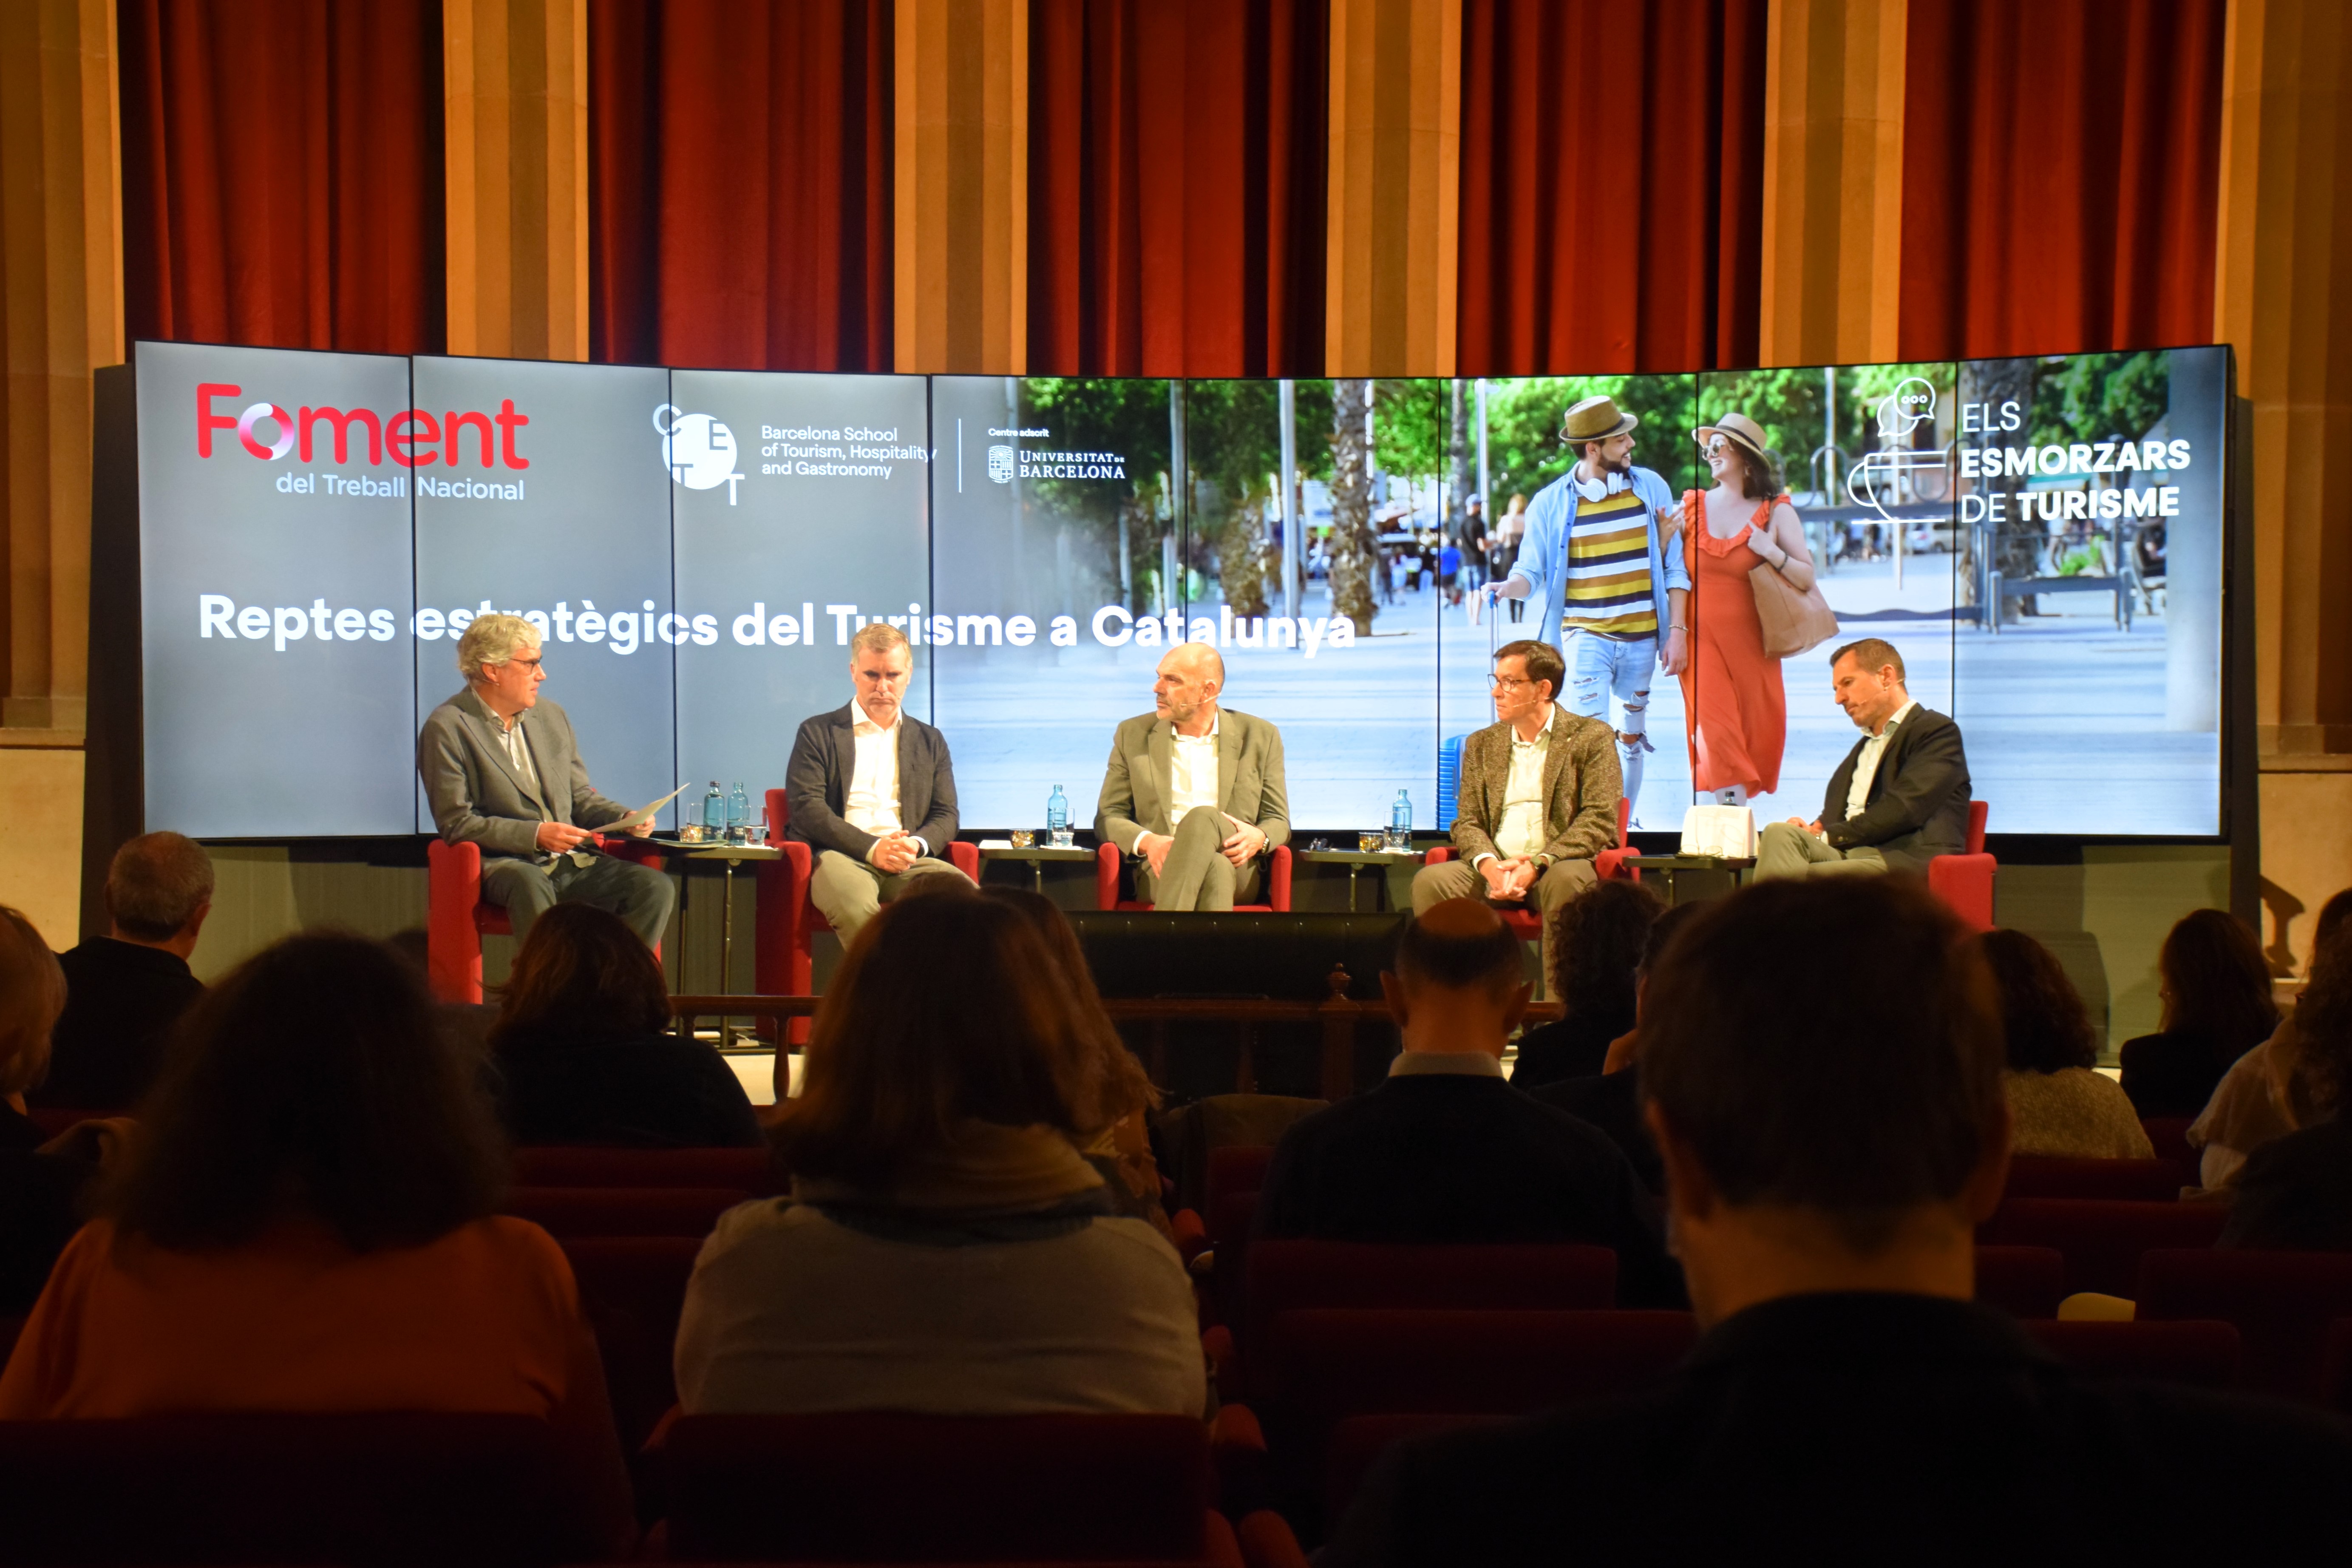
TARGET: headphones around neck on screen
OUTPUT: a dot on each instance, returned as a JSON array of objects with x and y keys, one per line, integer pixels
[{"x": 1595, "y": 489}]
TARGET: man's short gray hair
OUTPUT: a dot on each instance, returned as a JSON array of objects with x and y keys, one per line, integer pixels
[
  {"x": 156, "y": 884},
  {"x": 1873, "y": 654},
  {"x": 493, "y": 640},
  {"x": 876, "y": 636}
]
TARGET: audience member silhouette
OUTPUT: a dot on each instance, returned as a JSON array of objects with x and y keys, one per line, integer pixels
[
  {"x": 1120, "y": 1152},
  {"x": 2215, "y": 986},
  {"x": 1596, "y": 950},
  {"x": 304, "y": 1223},
  {"x": 2294, "y": 1192},
  {"x": 946, "y": 1247},
  {"x": 586, "y": 1050},
  {"x": 2057, "y": 1103},
  {"x": 124, "y": 990},
  {"x": 1611, "y": 1100},
  {"x": 41, "y": 1182},
  {"x": 1444, "y": 1149},
  {"x": 1827, "y": 1166},
  {"x": 2265, "y": 1094}
]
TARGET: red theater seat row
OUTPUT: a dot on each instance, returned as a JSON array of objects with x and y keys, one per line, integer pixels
[
  {"x": 568, "y": 1212},
  {"x": 572, "y": 1165},
  {"x": 2103, "y": 1239},
  {"x": 2284, "y": 1306}
]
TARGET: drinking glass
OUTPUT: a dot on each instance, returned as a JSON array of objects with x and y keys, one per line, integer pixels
[
  {"x": 1025, "y": 838},
  {"x": 1370, "y": 843}
]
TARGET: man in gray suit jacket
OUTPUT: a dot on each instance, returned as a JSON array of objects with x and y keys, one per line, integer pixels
[
  {"x": 1196, "y": 790},
  {"x": 869, "y": 789},
  {"x": 501, "y": 769}
]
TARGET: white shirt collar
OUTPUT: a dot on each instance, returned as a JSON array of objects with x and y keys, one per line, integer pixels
[
  {"x": 864, "y": 724},
  {"x": 1215, "y": 720},
  {"x": 1543, "y": 736},
  {"x": 1443, "y": 1064}
]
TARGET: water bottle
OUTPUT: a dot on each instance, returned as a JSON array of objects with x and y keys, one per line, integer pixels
[
  {"x": 714, "y": 814},
  {"x": 739, "y": 812},
  {"x": 1057, "y": 818},
  {"x": 1401, "y": 822}
]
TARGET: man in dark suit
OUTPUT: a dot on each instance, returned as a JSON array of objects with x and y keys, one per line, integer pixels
[
  {"x": 501, "y": 769},
  {"x": 859, "y": 776},
  {"x": 126, "y": 989},
  {"x": 1901, "y": 796},
  {"x": 1444, "y": 1150},
  {"x": 1826, "y": 1168}
]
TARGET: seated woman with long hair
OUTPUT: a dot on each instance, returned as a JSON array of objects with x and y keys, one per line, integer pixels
[
  {"x": 585, "y": 1050},
  {"x": 42, "y": 1180},
  {"x": 2058, "y": 1102},
  {"x": 946, "y": 1248},
  {"x": 2294, "y": 1192},
  {"x": 305, "y": 1224},
  {"x": 2215, "y": 986},
  {"x": 1120, "y": 1152}
]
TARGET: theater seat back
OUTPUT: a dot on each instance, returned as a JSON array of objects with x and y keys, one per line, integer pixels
[
  {"x": 383, "y": 1488},
  {"x": 935, "y": 1489}
]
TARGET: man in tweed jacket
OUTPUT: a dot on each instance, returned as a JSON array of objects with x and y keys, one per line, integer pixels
[{"x": 1539, "y": 798}]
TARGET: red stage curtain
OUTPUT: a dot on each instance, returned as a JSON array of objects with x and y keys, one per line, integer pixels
[
  {"x": 2061, "y": 175},
  {"x": 1612, "y": 178},
  {"x": 282, "y": 173},
  {"x": 1176, "y": 186},
  {"x": 739, "y": 184}
]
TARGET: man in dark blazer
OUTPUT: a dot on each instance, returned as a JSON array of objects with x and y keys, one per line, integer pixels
[
  {"x": 1827, "y": 1164},
  {"x": 1445, "y": 1149},
  {"x": 870, "y": 789},
  {"x": 126, "y": 989},
  {"x": 1901, "y": 796},
  {"x": 503, "y": 769}
]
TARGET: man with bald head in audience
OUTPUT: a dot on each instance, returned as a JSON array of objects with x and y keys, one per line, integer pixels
[
  {"x": 1194, "y": 790},
  {"x": 1445, "y": 1149},
  {"x": 1828, "y": 1162}
]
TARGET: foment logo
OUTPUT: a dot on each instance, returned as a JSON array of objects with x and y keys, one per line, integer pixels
[
  {"x": 697, "y": 451},
  {"x": 414, "y": 437}
]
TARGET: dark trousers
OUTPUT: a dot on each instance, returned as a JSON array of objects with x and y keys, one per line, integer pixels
[{"x": 640, "y": 895}]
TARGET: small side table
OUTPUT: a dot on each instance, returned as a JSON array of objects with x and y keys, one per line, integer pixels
[
  {"x": 1036, "y": 854},
  {"x": 733, "y": 855},
  {"x": 1668, "y": 866},
  {"x": 1357, "y": 862}
]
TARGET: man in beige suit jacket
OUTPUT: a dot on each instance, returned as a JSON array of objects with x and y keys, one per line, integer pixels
[
  {"x": 1538, "y": 797},
  {"x": 1194, "y": 790}
]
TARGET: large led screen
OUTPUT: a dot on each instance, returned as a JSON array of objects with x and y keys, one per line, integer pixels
[{"x": 2040, "y": 539}]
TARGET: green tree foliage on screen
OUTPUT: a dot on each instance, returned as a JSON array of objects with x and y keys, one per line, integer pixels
[
  {"x": 1233, "y": 441},
  {"x": 2099, "y": 397},
  {"x": 1523, "y": 415}
]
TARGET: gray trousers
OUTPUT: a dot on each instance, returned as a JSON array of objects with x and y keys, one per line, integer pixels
[
  {"x": 848, "y": 892},
  {"x": 1783, "y": 849},
  {"x": 640, "y": 895},
  {"x": 1196, "y": 875},
  {"x": 1566, "y": 881}
]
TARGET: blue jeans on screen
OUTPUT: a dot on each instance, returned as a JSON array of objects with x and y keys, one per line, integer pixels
[{"x": 1600, "y": 668}]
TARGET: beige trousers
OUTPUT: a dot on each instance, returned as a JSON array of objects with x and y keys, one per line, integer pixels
[
  {"x": 1783, "y": 849},
  {"x": 849, "y": 892},
  {"x": 1196, "y": 875}
]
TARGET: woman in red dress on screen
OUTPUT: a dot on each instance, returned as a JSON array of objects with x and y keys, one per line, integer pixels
[{"x": 1733, "y": 703}]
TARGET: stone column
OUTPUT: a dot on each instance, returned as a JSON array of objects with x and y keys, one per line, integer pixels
[
  {"x": 961, "y": 283},
  {"x": 61, "y": 276},
  {"x": 1832, "y": 251},
  {"x": 1395, "y": 187},
  {"x": 2282, "y": 297},
  {"x": 516, "y": 128}
]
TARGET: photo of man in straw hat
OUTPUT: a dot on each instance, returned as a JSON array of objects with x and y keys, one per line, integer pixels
[{"x": 1605, "y": 565}]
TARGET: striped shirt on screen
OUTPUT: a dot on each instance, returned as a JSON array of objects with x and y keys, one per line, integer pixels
[{"x": 1609, "y": 568}]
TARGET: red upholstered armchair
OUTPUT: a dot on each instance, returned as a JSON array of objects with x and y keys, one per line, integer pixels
[
  {"x": 785, "y": 930},
  {"x": 456, "y": 918},
  {"x": 1106, "y": 888},
  {"x": 1965, "y": 881}
]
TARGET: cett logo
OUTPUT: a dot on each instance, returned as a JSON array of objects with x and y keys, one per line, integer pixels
[{"x": 415, "y": 438}]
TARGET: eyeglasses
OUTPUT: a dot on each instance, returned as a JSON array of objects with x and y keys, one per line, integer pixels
[
  {"x": 1717, "y": 447},
  {"x": 1506, "y": 682}
]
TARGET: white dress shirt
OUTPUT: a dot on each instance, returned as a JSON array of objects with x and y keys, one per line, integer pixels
[
  {"x": 1444, "y": 1064},
  {"x": 1521, "y": 832},
  {"x": 1866, "y": 766},
  {"x": 518, "y": 749},
  {"x": 1193, "y": 773},
  {"x": 872, "y": 802}
]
